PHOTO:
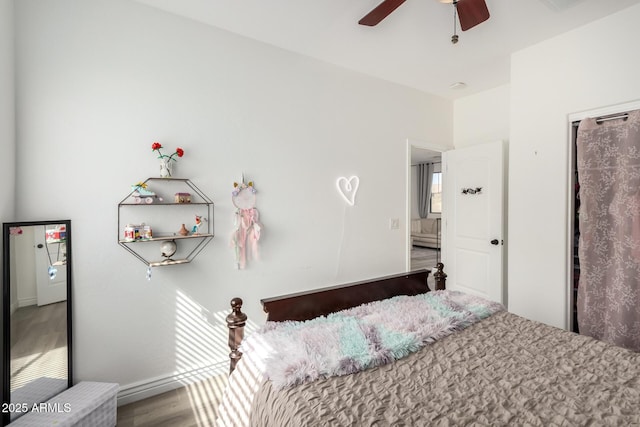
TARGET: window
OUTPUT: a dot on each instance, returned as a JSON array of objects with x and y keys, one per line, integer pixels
[{"x": 435, "y": 203}]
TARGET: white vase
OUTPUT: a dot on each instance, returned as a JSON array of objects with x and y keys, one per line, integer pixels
[{"x": 165, "y": 167}]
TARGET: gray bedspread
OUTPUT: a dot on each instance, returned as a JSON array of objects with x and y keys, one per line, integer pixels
[{"x": 505, "y": 370}]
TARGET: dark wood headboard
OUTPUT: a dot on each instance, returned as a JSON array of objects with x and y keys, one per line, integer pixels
[{"x": 319, "y": 302}]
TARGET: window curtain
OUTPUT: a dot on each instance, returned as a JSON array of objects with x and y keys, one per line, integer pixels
[
  {"x": 608, "y": 161},
  {"x": 425, "y": 177}
]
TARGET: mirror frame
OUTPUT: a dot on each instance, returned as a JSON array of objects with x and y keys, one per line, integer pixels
[{"x": 6, "y": 309}]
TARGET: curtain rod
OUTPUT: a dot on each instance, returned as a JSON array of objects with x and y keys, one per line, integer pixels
[
  {"x": 600, "y": 120},
  {"x": 623, "y": 116},
  {"x": 426, "y": 163}
]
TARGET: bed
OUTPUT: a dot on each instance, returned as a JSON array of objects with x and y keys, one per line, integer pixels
[{"x": 501, "y": 369}]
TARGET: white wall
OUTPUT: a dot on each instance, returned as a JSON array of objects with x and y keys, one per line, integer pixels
[
  {"x": 7, "y": 111},
  {"x": 101, "y": 80},
  {"x": 23, "y": 271},
  {"x": 482, "y": 117},
  {"x": 7, "y": 120},
  {"x": 591, "y": 67}
]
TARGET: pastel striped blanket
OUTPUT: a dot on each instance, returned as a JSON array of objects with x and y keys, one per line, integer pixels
[{"x": 362, "y": 337}]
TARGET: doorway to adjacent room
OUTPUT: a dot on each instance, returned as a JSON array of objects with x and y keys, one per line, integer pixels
[{"x": 424, "y": 206}]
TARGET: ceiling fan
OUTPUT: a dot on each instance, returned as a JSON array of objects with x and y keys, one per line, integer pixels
[{"x": 470, "y": 13}]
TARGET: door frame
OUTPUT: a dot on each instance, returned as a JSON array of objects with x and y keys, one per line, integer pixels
[{"x": 423, "y": 145}]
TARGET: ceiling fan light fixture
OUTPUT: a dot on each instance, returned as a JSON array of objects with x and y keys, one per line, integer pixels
[{"x": 470, "y": 13}]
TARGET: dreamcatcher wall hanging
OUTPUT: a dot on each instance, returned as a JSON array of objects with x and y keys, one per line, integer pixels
[{"x": 246, "y": 234}]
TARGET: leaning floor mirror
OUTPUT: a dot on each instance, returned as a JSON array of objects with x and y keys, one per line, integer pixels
[{"x": 36, "y": 318}]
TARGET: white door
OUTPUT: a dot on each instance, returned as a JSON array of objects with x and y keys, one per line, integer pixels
[
  {"x": 473, "y": 211},
  {"x": 49, "y": 256}
]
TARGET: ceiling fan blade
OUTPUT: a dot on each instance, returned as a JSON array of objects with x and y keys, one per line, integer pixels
[
  {"x": 381, "y": 11},
  {"x": 471, "y": 13}
]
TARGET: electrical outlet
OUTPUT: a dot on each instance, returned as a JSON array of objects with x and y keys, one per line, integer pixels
[{"x": 394, "y": 223}]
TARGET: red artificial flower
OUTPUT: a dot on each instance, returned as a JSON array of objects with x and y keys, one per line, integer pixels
[{"x": 156, "y": 146}]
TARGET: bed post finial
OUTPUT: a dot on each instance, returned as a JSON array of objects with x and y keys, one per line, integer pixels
[
  {"x": 235, "y": 322},
  {"x": 440, "y": 277}
]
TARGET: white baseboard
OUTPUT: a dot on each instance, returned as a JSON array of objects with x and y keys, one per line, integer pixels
[
  {"x": 144, "y": 389},
  {"x": 26, "y": 302}
]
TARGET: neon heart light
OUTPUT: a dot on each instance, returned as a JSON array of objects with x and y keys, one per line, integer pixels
[{"x": 348, "y": 187}]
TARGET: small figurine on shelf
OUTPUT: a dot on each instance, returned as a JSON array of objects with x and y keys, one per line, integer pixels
[
  {"x": 182, "y": 198},
  {"x": 183, "y": 231},
  {"x": 196, "y": 227},
  {"x": 140, "y": 193}
]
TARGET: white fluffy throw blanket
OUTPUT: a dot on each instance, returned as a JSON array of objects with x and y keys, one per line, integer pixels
[{"x": 361, "y": 337}]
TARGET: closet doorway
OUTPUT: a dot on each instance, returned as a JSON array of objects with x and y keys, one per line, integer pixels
[{"x": 604, "y": 224}]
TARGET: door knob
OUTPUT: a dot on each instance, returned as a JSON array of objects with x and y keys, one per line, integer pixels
[
  {"x": 40, "y": 246},
  {"x": 495, "y": 242}
]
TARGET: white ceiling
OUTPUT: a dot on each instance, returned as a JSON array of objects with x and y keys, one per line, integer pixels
[
  {"x": 421, "y": 155},
  {"x": 411, "y": 46}
]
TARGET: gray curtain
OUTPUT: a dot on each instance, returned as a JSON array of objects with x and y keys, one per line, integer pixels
[
  {"x": 608, "y": 160},
  {"x": 425, "y": 177}
]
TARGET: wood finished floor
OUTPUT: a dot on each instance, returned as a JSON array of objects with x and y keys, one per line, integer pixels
[
  {"x": 194, "y": 405},
  {"x": 424, "y": 258},
  {"x": 38, "y": 343}
]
